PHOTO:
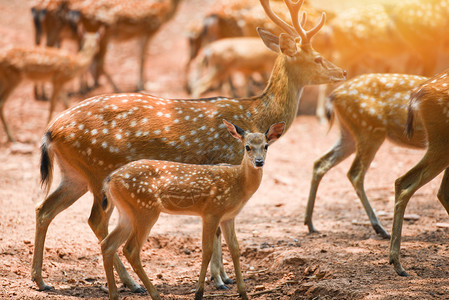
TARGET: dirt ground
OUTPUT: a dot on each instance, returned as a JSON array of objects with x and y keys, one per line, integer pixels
[{"x": 347, "y": 260}]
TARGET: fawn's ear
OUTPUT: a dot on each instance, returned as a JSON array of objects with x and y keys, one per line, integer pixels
[
  {"x": 235, "y": 131},
  {"x": 287, "y": 44},
  {"x": 274, "y": 132},
  {"x": 270, "y": 40}
]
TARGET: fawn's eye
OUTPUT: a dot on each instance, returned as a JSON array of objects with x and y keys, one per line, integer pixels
[
  {"x": 266, "y": 146},
  {"x": 248, "y": 148},
  {"x": 319, "y": 60}
]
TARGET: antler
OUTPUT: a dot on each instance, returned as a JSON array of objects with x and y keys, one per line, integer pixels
[{"x": 297, "y": 28}]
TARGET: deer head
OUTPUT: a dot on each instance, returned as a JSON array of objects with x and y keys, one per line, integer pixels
[{"x": 295, "y": 45}]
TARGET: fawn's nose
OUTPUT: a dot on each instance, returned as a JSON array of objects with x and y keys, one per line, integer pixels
[{"x": 259, "y": 162}]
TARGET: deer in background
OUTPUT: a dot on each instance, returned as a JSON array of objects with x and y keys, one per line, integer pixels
[
  {"x": 216, "y": 193},
  {"x": 424, "y": 25},
  {"x": 125, "y": 20},
  {"x": 429, "y": 102},
  {"x": 369, "y": 108},
  {"x": 364, "y": 40},
  {"x": 222, "y": 58},
  {"x": 105, "y": 132},
  {"x": 42, "y": 65},
  {"x": 56, "y": 21}
]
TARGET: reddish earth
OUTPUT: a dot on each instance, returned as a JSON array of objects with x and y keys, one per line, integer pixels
[{"x": 347, "y": 260}]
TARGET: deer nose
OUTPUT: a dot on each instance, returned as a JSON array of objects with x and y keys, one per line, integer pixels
[
  {"x": 345, "y": 73},
  {"x": 259, "y": 162}
]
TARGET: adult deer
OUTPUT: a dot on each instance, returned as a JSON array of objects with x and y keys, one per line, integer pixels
[
  {"x": 42, "y": 65},
  {"x": 125, "y": 20},
  {"x": 369, "y": 108},
  {"x": 430, "y": 101},
  {"x": 105, "y": 132},
  {"x": 55, "y": 21},
  {"x": 221, "y": 59},
  {"x": 143, "y": 189}
]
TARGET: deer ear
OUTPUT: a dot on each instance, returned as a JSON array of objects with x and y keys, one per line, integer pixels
[
  {"x": 287, "y": 45},
  {"x": 235, "y": 131},
  {"x": 274, "y": 132},
  {"x": 269, "y": 39}
]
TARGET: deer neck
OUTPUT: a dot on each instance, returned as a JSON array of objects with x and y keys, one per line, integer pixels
[
  {"x": 85, "y": 56},
  {"x": 280, "y": 99},
  {"x": 250, "y": 177}
]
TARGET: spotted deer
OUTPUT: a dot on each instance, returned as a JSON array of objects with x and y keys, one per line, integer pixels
[
  {"x": 40, "y": 64},
  {"x": 54, "y": 20},
  {"x": 430, "y": 103},
  {"x": 125, "y": 20},
  {"x": 105, "y": 132},
  {"x": 223, "y": 58},
  {"x": 369, "y": 108},
  {"x": 424, "y": 25},
  {"x": 143, "y": 189}
]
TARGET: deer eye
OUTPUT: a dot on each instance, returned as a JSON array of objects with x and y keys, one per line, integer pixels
[
  {"x": 248, "y": 148},
  {"x": 319, "y": 60},
  {"x": 266, "y": 146}
]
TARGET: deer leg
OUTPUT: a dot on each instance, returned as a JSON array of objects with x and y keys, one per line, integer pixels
[
  {"x": 69, "y": 190},
  {"x": 443, "y": 192},
  {"x": 5, "y": 91},
  {"x": 433, "y": 163},
  {"x": 98, "y": 222},
  {"x": 341, "y": 150},
  {"x": 54, "y": 95},
  {"x": 210, "y": 225},
  {"x": 233, "y": 245},
  {"x": 143, "y": 52},
  {"x": 134, "y": 245},
  {"x": 109, "y": 248},
  {"x": 217, "y": 271},
  {"x": 320, "y": 103},
  {"x": 367, "y": 147}
]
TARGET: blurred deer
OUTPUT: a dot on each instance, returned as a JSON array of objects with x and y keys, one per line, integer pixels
[
  {"x": 42, "y": 65},
  {"x": 216, "y": 193},
  {"x": 54, "y": 20},
  {"x": 125, "y": 20},
  {"x": 429, "y": 102},
  {"x": 222, "y": 58},
  {"x": 424, "y": 25},
  {"x": 369, "y": 108},
  {"x": 105, "y": 132},
  {"x": 365, "y": 40}
]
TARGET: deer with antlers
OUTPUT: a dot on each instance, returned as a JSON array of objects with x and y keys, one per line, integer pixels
[
  {"x": 105, "y": 132},
  {"x": 43, "y": 65},
  {"x": 143, "y": 189},
  {"x": 370, "y": 108},
  {"x": 430, "y": 102}
]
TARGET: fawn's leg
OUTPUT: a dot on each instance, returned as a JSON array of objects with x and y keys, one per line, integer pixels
[
  {"x": 443, "y": 192},
  {"x": 142, "y": 227},
  {"x": 210, "y": 225},
  {"x": 109, "y": 248},
  {"x": 6, "y": 87},
  {"x": 217, "y": 271},
  {"x": 98, "y": 222},
  {"x": 228, "y": 228}
]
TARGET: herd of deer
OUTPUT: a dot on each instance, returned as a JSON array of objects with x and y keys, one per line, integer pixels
[{"x": 146, "y": 155}]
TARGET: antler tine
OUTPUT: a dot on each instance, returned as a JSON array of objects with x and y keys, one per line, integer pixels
[
  {"x": 275, "y": 18},
  {"x": 294, "y": 13},
  {"x": 310, "y": 33},
  {"x": 303, "y": 19}
]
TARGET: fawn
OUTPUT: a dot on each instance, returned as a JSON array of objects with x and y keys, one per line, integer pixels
[
  {"x": 430, "y": 102},
  {"x": 143, "y": 189},
  {"x": 42, "y": 64},
  {"x": 370, "y": 108},
  {"x": 105, "y": 132}
]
